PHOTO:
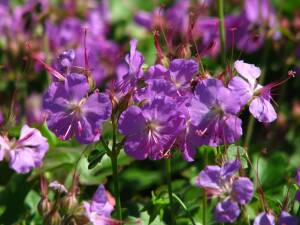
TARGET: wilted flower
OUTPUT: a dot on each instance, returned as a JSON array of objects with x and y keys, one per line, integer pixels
[
  {"x": 72, "y": 112},
  {"x": 26, "y": 153},
  {"x": 221, "y": 181},
  {"x": 152, "y": 129}
]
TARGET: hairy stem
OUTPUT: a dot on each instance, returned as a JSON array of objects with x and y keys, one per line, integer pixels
[
  {"x": 222, "y": 29},
  {"x": 169, "y": 183},
  {"x": 114, "y": 162}
]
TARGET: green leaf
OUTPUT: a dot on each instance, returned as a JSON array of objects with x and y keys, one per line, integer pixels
[
  {"x": 95, "y": 157},
  {"x": 238, "y": 152}
]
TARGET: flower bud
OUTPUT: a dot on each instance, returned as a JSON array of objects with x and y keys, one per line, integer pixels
[
  {"x": 68, "y": 203},
  {"x": 53, "y": 218},
  {"x": 44, "y": 206}
]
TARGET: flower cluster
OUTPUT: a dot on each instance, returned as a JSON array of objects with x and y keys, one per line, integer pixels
[
  {"x": 222, "y": 182},
  {"x": 65, "y": 208}
]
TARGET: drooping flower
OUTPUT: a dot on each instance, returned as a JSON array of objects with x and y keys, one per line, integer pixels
[
  {"x": 213, "y": 111},
  {"x": 99, "y": 209},
  {"x": 247, "y": 88},
  {"x": 152, "y": 129},
  {"x": 264, "y": 219},
  {"x": 222, "y": 182},
  {"x": 26, "y": 153},
  {"x": 70, "y": 111}
]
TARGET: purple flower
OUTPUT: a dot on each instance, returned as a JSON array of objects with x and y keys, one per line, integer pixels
[
  {"x": 178, "y": 16},
  {"x": 221, "y": 181},
  {"x": 213, "y": 112},
  {"x": 247, "y": 88},
  {"x": 99, "y": 209},
  {"x": 152, "y": 129},
  {"x": 264, "y": 219},
  {"x": 182, "y": 72},
  {"x": 70, "y": 111},
  {"x": 67, "y": 34},
  {"x": 227, "y": 211},
  {"x": 260, "y": 12},
  {"x": 286, "y": 219},
  {"x": 27, "y": 153}
]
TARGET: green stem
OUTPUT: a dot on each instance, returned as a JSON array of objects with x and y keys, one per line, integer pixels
[
  {"x": 222, "y": 29},
  {"x": 169, "y": 183},
  {"x": 114, "y": 162},
  {"x": 184, "y": 207}
]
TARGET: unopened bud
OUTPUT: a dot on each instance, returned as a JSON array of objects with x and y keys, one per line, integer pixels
[
  {"x": 68, "y": 204},
  {"x": 53, "y": 218},
  {"x": 44, "y": 206}
]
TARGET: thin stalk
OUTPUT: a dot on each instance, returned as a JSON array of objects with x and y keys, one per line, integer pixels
[
  {"x": 184, "y": 207},
  {"x": 114, "y": 162},
  {"x": 169, "y": 183},
  {"x": 222, "y": 29}
]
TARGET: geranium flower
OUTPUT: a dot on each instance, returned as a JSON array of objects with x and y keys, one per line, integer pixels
[
  {"x": 26, "y": 153},
  {"x": 152, "y": 129},
  {"x": 213, "y": 111},
  {"x": 71, "y": 111},
  {"x": 247, "y": 88},
  {"x": 222, "y": 181}
]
